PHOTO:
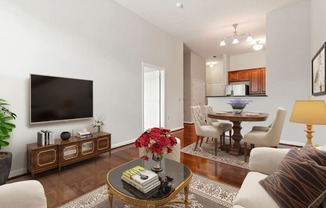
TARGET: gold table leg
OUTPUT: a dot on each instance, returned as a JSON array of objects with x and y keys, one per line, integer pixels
[
  {"x": 110, "y": 195},
  {"x": 186, "y": 190}
]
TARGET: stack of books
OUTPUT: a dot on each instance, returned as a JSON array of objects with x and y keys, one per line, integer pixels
[
  {"x": 84, "y": 134},
  {"x": 141, "y": 179}
]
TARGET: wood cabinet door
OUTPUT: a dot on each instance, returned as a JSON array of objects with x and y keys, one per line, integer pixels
[
  {"x": 255, "y": 81},
  {"x": 243, "y": 75},
  {"x": 233, "y": 76},
  {"x": 45, "y": 158},
  {"x": 263, "y": 80},
  {"x": 68, "y": 152},
  {"x": 103, "y": 144}
]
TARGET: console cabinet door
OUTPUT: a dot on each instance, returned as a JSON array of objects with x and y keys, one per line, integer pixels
[
  {"x": 69, "y": 153},
  {"x": 88, "y": 149},
  {"x": 41, "y": 159},
  {"x": 103, "y": 144}
]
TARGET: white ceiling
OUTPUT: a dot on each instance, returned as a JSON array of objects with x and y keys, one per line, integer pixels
[{"x": 201, "y": 24}]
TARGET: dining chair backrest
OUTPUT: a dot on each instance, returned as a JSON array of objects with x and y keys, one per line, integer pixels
[
  {"x": 208, "y": 109},
  {"x": 275, "y": 131},
  {"x": 198, "y": 118}
]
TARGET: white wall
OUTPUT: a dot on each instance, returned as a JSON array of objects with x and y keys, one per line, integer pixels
[
  {"x": 215, "y": 80},
  {"x": 288, "y": 70},
  {"x": 198, "y": 67},
  {"x": 187, "y": 86},
  {"x": 215, "y": 74},
  {"x": 318, "y": 37},
  {"x": 255, "y": 59},
  {"x": 195, "y": 69},
  {"x": 97, "y": 40}
]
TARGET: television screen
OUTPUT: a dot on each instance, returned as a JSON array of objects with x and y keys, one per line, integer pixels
[{"x": 58, "y": 98}]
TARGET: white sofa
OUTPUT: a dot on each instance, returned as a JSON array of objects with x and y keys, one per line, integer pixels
[
  {"x": 263, "y": 162},
  {"x": 24, "y": 194}
]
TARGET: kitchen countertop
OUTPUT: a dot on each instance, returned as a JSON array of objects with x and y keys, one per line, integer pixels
[{"x": 258, "y": 95}]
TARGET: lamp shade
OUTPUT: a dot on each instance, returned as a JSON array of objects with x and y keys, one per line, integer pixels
[{"x": 309, "y": 112}]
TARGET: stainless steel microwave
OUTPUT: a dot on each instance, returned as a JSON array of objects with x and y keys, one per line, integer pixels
[{"x": 240, "y": 89}]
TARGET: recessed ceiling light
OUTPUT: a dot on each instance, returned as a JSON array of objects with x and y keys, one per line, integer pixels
[{"x": 179, "y": 5}]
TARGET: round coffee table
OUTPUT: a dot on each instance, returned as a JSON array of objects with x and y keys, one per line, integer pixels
[{"x": 180, "y": 174}]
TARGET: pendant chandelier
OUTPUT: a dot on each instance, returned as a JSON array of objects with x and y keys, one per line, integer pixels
[{"x": 235, "y": 39}]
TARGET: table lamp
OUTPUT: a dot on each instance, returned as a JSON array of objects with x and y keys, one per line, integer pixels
[{"x": 309, "y": 112}]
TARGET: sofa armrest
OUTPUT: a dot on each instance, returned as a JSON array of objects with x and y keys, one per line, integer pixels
[
  {"x": 265, "y": 159},
  {"x": 23, "y": 194}
]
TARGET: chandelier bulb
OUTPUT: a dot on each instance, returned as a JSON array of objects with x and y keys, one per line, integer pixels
[
  {"x": 249, "y": 38},
  {"x": 235, "y": 40},
  {"x": 258, "y": 46}
]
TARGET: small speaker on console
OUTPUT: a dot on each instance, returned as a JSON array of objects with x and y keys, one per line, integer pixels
[{"x": 65, "y": 135}]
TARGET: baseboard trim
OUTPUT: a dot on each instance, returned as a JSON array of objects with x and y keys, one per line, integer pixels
[
  {"x": 17, "y": 173},
  {"x": 292, "y": 143},
  {"x": 131, "y": 141},
  {"x": 177, "y": 129}
]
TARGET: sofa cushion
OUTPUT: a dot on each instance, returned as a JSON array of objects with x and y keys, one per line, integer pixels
[
  {"x": 252, "y": 194},
  {"x": 299, "y": 180}
]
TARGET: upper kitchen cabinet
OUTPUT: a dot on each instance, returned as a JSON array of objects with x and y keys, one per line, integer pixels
[
  {"x": 238, "y": 76},
  {"x": 256, "y": 78},
  {"x": 257, "y": 81}
]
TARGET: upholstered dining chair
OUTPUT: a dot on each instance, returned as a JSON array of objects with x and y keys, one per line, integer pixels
[
  {"x": 225, "y": 126},
  {"x": 203, "y": 129},
  {"x": 268, "y": 136}
]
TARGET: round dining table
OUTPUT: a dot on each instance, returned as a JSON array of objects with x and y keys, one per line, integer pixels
[{"x": 236, "y": 119}]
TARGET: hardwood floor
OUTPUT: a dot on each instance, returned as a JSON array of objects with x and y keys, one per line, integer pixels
[{"x": 78, "y": 179}]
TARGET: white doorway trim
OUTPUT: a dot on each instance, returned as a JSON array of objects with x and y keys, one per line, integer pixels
[{"x": 153, "y": 117}]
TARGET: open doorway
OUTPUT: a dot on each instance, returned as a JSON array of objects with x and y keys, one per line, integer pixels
[{"x": 153, "y": 96}]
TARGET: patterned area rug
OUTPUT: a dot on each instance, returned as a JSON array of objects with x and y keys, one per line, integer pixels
[
  {"x": 207, "y": 150},
  {"x": 203, "y": 193}
]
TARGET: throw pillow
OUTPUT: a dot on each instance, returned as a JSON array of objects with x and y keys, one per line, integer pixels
[
  {"x": 316, "y": 155},
  {"x": 298, "y": 182}
]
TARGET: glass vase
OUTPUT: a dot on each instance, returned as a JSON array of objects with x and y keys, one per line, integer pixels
[
  {"x": 157, "y": 165},
  {"x": 98, "y": 129},
  {"x": 237, "y": 111}
]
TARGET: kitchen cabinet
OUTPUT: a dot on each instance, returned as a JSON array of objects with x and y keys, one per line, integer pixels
[
  {"x": 256, "y": 78},
  {"x": 238, "y": 76},
  {"x": 233, "y": 76},
  {"x": 257, "y": 81}
]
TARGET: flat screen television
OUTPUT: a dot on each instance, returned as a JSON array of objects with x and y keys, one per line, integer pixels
[{"x": 59, "y": 99}]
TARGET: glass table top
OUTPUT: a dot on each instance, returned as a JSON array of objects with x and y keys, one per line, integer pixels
[{"x": 171, "y": 170}]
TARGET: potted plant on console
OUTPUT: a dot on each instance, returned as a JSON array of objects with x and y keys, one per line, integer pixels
[{"x": 5, "y": 129}]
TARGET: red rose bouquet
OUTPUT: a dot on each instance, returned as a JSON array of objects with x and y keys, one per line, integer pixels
[{"x": 157, "y": 141}]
